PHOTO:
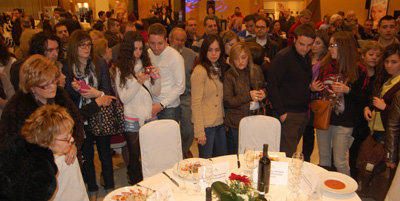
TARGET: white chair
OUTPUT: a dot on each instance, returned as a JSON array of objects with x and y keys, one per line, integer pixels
[
  {"x": 393, "y": 193},
  {"x": 160, "y": 146},
  {"x": 254, "y": 131}
]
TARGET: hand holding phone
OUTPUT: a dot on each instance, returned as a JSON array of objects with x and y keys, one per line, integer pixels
[{"x": 83, "y": 85}]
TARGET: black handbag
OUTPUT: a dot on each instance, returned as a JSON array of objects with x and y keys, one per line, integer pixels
[{"x": 108, "y": 121}]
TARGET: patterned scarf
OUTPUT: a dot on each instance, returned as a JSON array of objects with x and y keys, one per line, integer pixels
[{"x": 89, "y": 75}]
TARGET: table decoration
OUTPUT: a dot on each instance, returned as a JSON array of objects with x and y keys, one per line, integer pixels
[{"x": 237, "y": 188}]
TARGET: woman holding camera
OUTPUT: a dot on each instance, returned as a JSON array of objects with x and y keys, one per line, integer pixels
[{"x": 136, "y": 81}]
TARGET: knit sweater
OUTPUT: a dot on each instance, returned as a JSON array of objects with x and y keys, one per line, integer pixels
[{"x": 207, "y": 106}]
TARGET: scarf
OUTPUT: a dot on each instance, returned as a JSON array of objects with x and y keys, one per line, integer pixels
[{"x": 88, "y": 74}]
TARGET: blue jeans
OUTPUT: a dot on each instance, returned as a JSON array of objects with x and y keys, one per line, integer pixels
[
  {"x": 215, "y": 143},
  {"x": 104, "y": 150},
  {"x": 232, "y": 138},
  {"x": 170, "y": 113},
  {"x": 340, "y": 138}
]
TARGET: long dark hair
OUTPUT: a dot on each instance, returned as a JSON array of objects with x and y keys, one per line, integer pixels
[
  {"x": 381, "y": 74},
  {"x": 208, "y": 40},
  {"x": 5, "y": 54},
  {"x": 126, "y": 61}
]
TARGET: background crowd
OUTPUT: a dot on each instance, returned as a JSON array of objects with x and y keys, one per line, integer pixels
[{"x": 57, "y": 79}]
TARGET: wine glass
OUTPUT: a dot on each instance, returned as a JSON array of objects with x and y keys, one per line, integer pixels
[
  {"x": 251, "y": 160},
  {"x": 204, "y": 177},
  {"x": 183, "y": 172}
]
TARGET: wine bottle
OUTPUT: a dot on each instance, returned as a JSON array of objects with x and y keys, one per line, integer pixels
[
  {"x": 208, "y": 194},
  {"x": 264, "y": 171}
]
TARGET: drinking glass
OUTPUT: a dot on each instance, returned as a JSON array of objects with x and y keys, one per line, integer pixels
[
  {"x": 251, "y": 159},
  {"x": 183, "y": 172},
  {"x": 296, "y": 164},
  {"x": 204, "y": 177},
  {"x": 316, "y": 195}
]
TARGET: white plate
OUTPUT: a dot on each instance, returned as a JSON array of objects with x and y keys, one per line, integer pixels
[
  {"x": 191, "y": 176},
  {"x": 350, "y": 184},
  {"x": 128, "y": 189}
]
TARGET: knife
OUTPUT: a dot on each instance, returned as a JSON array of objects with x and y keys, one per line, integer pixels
[
  {"x": 238, "y": 162},
  {"x": 170, "y": 178}
]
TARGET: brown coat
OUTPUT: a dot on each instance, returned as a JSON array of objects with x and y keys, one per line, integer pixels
[
  {"x": 392, "y": 129},
  {"x": 237, "y": 87}
]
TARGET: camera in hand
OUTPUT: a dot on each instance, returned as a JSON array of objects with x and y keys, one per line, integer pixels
[{"x": 147, "y": 70}]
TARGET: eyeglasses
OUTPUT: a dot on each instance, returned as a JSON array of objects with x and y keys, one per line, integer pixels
[
  {"x": 69, "y": 140},
  {"x": 85, "y": 45},
  {"x": 48, "y": 85},
  {"x": 333, "y": 45}
]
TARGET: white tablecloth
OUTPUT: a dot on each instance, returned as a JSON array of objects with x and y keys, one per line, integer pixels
[{"x": 278, "y": 193}]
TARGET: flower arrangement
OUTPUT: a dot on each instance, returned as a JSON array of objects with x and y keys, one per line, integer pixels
[{"x": 237, "y": 188}]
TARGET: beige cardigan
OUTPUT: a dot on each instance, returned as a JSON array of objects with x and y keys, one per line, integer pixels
[{"x": 207, "y": 106}]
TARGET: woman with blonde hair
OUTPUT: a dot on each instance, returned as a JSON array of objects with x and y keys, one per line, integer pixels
[
  {"x": 38, "y": 86},
  {"x": 51, "y": 126},
  {"x": 244, "y": 89},
  {"x": 229, "y": 38},
  {"x": 371, "y": 53}
]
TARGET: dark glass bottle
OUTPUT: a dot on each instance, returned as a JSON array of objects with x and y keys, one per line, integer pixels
[
  {"x": 264, "y": 171},
  {"x": 208, "y": 194}
]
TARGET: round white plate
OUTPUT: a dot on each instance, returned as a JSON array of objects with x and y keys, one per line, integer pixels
[
  {"x": 190, "y": 176},
  {"x": 350, "y": 184},
  {"x": 127, "y": 189}
]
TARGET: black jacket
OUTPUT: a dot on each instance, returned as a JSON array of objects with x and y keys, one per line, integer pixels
[
  {"x": 27, "y": 172},
  {"x": 271, "y": 47},
  {"x": 288, "y": 81},
  {"x": 22, "y": 105}
]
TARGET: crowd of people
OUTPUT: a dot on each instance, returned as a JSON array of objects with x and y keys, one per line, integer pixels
[{"x": 56, "y": 78}]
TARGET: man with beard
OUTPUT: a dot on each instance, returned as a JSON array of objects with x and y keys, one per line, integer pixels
[{"x": 62, "y": 34}]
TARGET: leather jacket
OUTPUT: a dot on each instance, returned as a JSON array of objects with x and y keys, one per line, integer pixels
[
  {"x": 237, "y": 87},
  {"x": 392, "y": 148}
]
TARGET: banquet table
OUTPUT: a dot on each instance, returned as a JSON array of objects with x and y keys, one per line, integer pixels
[{"x": 276, "y": 192}]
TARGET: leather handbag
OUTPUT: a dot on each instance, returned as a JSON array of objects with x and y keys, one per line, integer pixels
[
  {"x": 108, "y": 121},
  {"x": 322, "y": 110},
  {"x": 373, "y": 178}
]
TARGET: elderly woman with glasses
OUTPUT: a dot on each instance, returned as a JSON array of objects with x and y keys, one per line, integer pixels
[
  {"x": 40, "y": 158},
  {"x": 87, "y": 79},
  {"x": 38, "y": 86}
]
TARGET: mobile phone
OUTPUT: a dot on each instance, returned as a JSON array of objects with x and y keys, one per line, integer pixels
[{"x": 83, "y": 85}]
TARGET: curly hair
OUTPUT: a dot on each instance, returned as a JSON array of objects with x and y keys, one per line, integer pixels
[
  {"x": 36, "y": 70},
  {"x": 126, "y": 61},
  {"x": 45, "y": 124},
  {"x": 38, "y": 42}
]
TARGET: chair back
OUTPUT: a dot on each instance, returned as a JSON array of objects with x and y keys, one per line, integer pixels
[
  {"x": 160, "y": 146},
  {"x": 254, "y": 131}
]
